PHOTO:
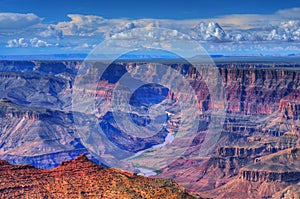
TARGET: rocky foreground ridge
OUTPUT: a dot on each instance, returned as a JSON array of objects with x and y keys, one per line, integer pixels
[{"x": 82, "y": 178}]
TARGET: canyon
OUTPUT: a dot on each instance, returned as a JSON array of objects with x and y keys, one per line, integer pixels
[{"x": 256, "y": 154}]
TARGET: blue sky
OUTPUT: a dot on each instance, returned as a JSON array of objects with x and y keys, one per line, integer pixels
[
  {"x": 222, "y": 27},
  {"x": 57, "y": 10}
]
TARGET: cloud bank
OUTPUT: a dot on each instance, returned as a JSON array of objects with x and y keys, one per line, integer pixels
[
  {"x": 10, "y": 21},
  {"x": 83, "y": 32}
]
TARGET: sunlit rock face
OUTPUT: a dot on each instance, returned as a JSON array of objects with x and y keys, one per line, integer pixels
[{"x": 82, "y": 178}]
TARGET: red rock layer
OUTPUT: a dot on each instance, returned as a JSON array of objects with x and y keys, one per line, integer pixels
[{"x": 81, "y": 178}]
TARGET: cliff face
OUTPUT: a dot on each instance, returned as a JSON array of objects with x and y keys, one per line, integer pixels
[
  {"x": 36, "y": 89},
  {"x": 258, "y": 91},
  {"x": 269, "y": 176},
  {"x": 265, "y": 178},
  {"x": 81, "y": 178},
  {"x": 258, "y": 146},
  {"x": 290, "y": 106},
  {"x": 36, "y": 135},
  {"x": 283, "y": 166},
  {"x": 199, "y": 175}
]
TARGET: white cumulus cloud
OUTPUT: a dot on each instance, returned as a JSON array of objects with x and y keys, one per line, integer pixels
[
  {"x": 51, "y": 31},
  {"x": 82, "y": 25},
  {"x": 14, "y": 43},
  {"x": 23, "y": 43},
  {"x": 209, "y": 32}
]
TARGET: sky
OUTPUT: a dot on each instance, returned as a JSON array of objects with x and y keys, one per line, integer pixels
[
  {"x": 221, "y": 27},
  {"x": 57, "y": 10}
]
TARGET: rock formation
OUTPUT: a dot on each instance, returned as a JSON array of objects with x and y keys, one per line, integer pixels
[{"x": 82, "y": 178}]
